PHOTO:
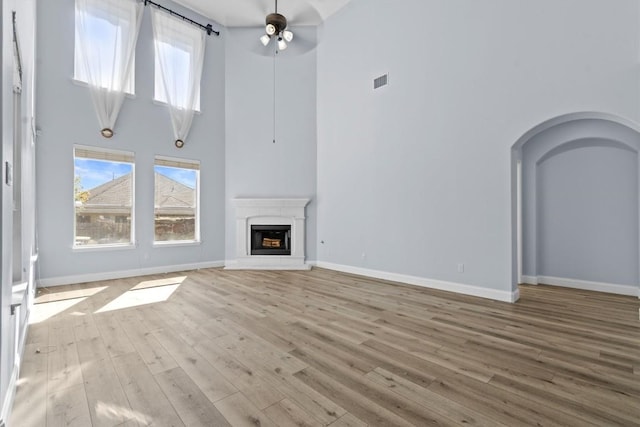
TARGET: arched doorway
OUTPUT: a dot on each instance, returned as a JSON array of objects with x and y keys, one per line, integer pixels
[{"x": 575, "y": 204}]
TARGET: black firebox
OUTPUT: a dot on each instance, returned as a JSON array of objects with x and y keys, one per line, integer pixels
[{"x": 270, "y": 240}]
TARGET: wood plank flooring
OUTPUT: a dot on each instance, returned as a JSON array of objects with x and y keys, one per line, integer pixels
[{"x": 320, "y": 348}]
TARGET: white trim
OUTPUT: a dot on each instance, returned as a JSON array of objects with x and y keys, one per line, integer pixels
[
  {"x": 460, "y": 288},
  {"x": 589, "y": 286},
  {"x": 165, "y": 104},
  {"x": 519, "y": 218},
  {"x": 131, "y": 95},
  {"x": 270, "y": 203},
  {"x": 109, "y": 275},
  {"x": 175, "y": 243},
  {"x": 104, "y": 247},
  {"x": 282, "y": 263},
  {"x": 529, "y": 280}
]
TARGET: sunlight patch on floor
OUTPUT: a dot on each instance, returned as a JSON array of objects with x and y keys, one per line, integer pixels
[
  {"x": 46, "y": 310},
  {"x": 136, "y": 297},
  {"x": 50, "y": 295},
  {"x": 159, "y": 282},
  {"x": 106, "y": 411}
]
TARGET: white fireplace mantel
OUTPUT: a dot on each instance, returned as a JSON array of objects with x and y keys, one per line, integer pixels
[{"x": 269, "y": 212}]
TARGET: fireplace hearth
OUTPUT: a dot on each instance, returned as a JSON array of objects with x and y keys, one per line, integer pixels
[{"x": 270, "y": 240}]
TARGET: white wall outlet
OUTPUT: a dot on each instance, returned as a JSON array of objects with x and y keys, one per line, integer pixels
[
  {"x": 460, "y": 267},
  {"x": 364, "y": 255}
]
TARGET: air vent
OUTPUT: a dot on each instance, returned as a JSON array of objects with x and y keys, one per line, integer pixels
[{"x": 383, "y": 80}]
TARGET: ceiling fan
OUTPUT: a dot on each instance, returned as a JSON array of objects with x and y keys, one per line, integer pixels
[{"x": 276, "y": 28}]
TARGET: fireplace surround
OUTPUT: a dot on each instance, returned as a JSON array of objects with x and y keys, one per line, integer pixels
[{"x": 270, "y": 234}]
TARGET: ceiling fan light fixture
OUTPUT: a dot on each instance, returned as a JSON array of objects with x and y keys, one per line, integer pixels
[
  {"x": 265, "y": 39},
  {"x": 275, "y": 23},
  {"x": 270, "y": 29},
  {"x": 276, "y": 28}
]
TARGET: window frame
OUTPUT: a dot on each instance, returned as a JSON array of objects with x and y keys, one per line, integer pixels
[
  {"x": 106, "y": 155},
  {"x": 174, "y": 162}
]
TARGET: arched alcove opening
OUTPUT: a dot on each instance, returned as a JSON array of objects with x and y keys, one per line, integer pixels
[{"x": 575, "y": 204}]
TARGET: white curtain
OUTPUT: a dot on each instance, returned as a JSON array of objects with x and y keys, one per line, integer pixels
[
  {"x": 179, "y": 48},
  {"x": 106, "y": 33}
]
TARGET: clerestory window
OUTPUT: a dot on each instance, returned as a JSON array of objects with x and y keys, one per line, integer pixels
[{"x": 105, "y": 34}]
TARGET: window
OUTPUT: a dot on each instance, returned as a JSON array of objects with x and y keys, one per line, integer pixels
[
  {"x": 179, "y": 76},
  {"x": 103, "y": 196},
  {"x": 176, "y": 200},
  {"x": 179, "y": 53},
  {"x": 105, "y": 28}
]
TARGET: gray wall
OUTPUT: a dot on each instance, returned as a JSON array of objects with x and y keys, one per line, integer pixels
[
  {"x": 255, "y": 165},
  {"x": 66, "y": 117},
  {"x": 416, "y": 176},
  {"x": 587, "y": 220}
]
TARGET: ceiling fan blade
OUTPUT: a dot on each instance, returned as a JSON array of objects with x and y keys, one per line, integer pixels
[
  {"x": 249, "y": 39},
  {"x": 305, "y": 35},
  {"x": 305, "y": 39}
]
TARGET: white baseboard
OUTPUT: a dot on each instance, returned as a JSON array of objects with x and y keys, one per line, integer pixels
[
  {"x": 267, "y": 263},
  {"x": 590, "y": 286},
  {"x": 109, "y": 275},
  {"x": 530, "y": 280},
  {"x": 303, "y": 267},
  {"x": 460, "y": 288}
]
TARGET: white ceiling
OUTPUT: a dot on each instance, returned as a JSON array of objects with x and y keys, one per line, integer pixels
[{"x": 250, "y": 13}]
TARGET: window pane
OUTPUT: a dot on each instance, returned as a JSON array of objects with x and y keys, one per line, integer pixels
[
  {"x": 178, "y": 74},
  {"x": 179, "y": 47},
  {"x": 104, "y": 36},
  {"x": 103, "y": 197},
  {"x": 176, "y": 202}
]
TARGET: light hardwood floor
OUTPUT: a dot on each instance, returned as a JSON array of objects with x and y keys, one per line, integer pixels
[{"x": 243, "y": 348}]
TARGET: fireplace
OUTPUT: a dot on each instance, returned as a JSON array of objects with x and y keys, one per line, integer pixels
[
  {"x": 270, "y": 240},
  {"x": 270, "y": 234}
]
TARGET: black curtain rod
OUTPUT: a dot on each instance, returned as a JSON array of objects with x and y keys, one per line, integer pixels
[{"x": 208, "y": 28}]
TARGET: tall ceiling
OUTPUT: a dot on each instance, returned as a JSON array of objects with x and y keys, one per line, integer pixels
[{"x": 250, "y": 13}]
